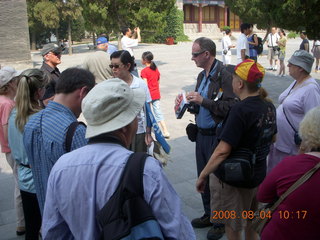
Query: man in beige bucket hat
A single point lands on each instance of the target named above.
(82, 181)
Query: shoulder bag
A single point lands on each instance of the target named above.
(238, 169)
(259, 223)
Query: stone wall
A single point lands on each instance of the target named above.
(192, 28)
(14, 32)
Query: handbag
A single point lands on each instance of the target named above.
(238, 169)
(259, 223)
(192, 131)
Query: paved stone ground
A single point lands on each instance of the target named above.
(178, 73)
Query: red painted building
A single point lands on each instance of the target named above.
(204, 13)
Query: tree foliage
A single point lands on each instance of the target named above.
(47, 13)
(95, 14)
(157, 19)
(294, 15)
(148, 15)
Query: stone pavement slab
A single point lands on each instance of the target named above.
(178, 73)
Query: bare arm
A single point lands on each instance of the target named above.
(145, 80)
(221, 152)
(255, 40)
(137, 30)
(5, 132)
(243, 54)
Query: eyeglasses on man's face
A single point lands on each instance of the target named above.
(196, 54)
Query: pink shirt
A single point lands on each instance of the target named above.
(298, 216)
(6, 105)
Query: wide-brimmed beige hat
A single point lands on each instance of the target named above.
(111, 105)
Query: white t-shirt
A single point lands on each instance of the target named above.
(242, 43)
(273, 39)
(128, 44)
(226, 43)
(139, 83)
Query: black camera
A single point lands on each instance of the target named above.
(193, 108)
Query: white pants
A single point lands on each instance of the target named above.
(226, 59)
(17, 197)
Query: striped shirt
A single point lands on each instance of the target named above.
(44, 140)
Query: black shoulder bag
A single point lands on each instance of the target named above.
(127, 215)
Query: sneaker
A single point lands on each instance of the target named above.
(274, 69)
(20, 231)
(201, 222)
(283, 75)
(215, 233)
(269, 68)
(166, 135)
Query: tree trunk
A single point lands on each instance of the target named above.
(33, 41)
(94, 38)
(119, 41)
(57, 36)
(69, 36)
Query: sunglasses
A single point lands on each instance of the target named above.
(56, 53)
(114, 66)
(196, 54)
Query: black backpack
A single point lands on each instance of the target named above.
(127, 215)
(259, 47)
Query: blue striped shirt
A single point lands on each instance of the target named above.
(44, 140)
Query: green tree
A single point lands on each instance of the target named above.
(294, 15)
(148, 15)
(35, 26)
(69, 10)
(77, 29)
(47, 13)
(174, 24)
(95, 14)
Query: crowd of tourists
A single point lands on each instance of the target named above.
(254, 162)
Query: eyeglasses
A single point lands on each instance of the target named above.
(114, 66)
(196, 54)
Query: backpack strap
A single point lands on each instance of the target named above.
(71, 130)
(133, 174)
(131, 181)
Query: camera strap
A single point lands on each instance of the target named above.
(295, 131)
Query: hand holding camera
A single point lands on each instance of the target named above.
(194, 97)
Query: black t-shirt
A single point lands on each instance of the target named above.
(251, 123)
(304, 41)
